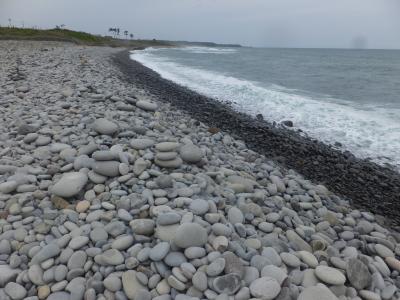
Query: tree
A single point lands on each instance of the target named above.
(131, 36)
(9, 22)
(126, 34)
(113, 30)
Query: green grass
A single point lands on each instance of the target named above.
(77, 37)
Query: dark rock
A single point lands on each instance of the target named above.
(287, 123)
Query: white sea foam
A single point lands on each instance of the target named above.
(367, 132)
(208, 50)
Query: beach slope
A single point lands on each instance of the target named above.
(109, 191)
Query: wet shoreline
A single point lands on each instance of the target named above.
(364, 183)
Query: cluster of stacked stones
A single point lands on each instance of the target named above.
(107, 194)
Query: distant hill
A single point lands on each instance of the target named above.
(77, 37)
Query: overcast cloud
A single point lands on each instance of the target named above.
(278, 23)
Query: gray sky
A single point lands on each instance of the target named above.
(277, 23)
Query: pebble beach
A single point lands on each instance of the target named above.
(106, 192)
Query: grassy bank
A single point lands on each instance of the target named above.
(77, 37)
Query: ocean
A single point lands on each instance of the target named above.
(351, 97)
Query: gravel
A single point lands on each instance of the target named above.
(106, 192)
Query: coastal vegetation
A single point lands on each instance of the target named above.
(77, 37)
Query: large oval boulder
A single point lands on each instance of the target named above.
(70, 184)
(146, 105)
(104, 126)
(190, 235)
(191, 153)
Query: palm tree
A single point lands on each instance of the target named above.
(115, 30)
(126, 34)
(131, 36)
